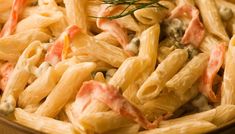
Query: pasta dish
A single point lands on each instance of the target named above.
(118, 66)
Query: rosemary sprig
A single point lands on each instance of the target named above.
(138, 4)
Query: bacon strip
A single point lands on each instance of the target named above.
(5, 72)
(216, 60)
(112, 26)
(60, 46)
(10, 26)
(110, 96)
(195, 31)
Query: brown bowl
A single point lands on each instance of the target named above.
(9, 127)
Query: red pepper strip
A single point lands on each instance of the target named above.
(10, 26)
(5, 72)
(215, 62)
(55, 52)
(110, 96)
(112, 26)
(195, 31)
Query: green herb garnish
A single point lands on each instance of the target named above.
(132, 5)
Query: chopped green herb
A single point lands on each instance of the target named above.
(132, 5)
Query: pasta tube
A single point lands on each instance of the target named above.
(75, 10)
(39, 89)
(149, 46)
(20, 76)
(44, 124)
(211, 18)
(12, 46)
(217, 116)
(127, 72)
(39, 20)
(188, 75)
(150, 16)
(107, 37)
(167, 103)
(164, 72)
(228, 89)
(107, 53)
(192, 127)
(208, 43)
(131, 129)
(103, 121)
(66, 88)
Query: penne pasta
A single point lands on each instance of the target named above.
(118, 66)
(193, 127)
(208, 43)
(100, 122)
(20, 76)
(149, 45)
(131, 129)
(39, 20)
(75, 10)
(44, 124)
(167, 103)
(12, 46)
(217, 116)
(150, 16)
(228, 90)
(62, 93)
(190, 73)
(99, 76)
(113, 56)
(107, 37)
(164, 72)
(212, 23)
(127, 72)
(39, 89)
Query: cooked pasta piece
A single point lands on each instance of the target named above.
(44, 124)
(12, 46)
(211, 18)
(193, 127)
(127, 72)
(167, 103)
(39, 89)
(228, 90)
(62, 93)
(131, 129)
(164, 72)
(5, 5)
(149, 46)
(99, 76)
(118, 66)
(150, 16)
(208, 43)
(217, 116)
(107, 53)
(75, 10)
(101, 122)
(107, 37)
(188, 75)
(20, 76)
(42, 19)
